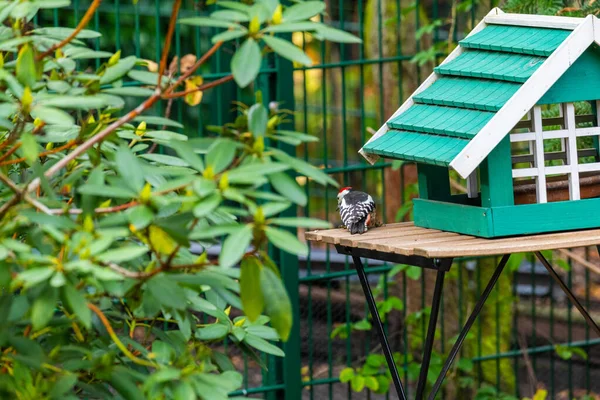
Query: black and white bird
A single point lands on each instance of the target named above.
(356, 209)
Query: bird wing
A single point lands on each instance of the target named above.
(355, 207)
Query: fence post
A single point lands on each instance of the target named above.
(288, 369)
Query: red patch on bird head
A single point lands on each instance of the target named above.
(345, 188)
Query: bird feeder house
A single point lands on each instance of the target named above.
(514, 110)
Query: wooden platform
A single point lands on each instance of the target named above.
(407, 239)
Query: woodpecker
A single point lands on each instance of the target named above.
(356, 209)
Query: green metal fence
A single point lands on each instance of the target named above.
(528, 333)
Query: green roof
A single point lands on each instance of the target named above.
(470, 89)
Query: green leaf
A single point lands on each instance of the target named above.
(277, 303)
(303, 26)
(212, 332)
(123, 254)
(119, 70)
(166, 135)
(147, 78)
(107, 191)
(208, 22)
(75, 102)
(130, 91)
(286, 241)
(43, 308)
(465, 364)
(152, 120)
(184, 391)
(165, 160)
(33, 276)
(357, 383)
(287, 50)
(245, 63)
(186, 153)
(220, 155)
(250, 292)
(346, 374)
(62, 386)
(29, 147)
(228, 35)
(231, 15)
(52, 116)
(262, 345)
(288, 187)
(336, 35)
(248, 172)
(301, 222)
(166, 291)
(371, 383)
(207, 205)
(304, 10)
(25, 68)
(78, 305)
(63, 33)
(304, 168)
(130, 169)
(204, 187)
(120, 380)
(235, 246)
(140, 217)
(258, 117)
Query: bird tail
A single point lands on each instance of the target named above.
(357, 228)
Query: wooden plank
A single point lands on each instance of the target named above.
(496, 177)
(334, 236)
(428, 82)
(375, 234)
(451, 217)
(538, 155)
(434, 182)
(406, 241)
(502, 66)
(408, 249)
(547, 217)
(517, 39)
(571, 150)
(535, 21)
(519, 244)
(525, 98)
(581, 82)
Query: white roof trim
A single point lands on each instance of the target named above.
(372, 158)
(536, 21)
(526, 97)
(597, 30)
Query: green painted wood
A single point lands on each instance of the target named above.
(495, 174)
(434, 182)
(477, 94)
(468, 220)
(492, 65)
(517, 39)
(581, 82)
(414, 146)
(547, 217)
(450, 121)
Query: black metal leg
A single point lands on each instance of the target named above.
(568, 292)
(465, 330)
(433, 317)
(379, 327)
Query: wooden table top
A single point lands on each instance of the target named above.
(407, 239)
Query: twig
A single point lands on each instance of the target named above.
(194, 67)
(42, 154)
(9, 152)
(169, 37)
(116, 339)
(580, 260)
(99, 210)
(200, 88)
(82, 24)
(6, 180)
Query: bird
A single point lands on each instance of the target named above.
(357, 210)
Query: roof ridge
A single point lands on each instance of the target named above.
(535, 21)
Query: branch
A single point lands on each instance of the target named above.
(200, 88)
(194, 67)
(165, 52)
(82, 24)
(116, 339)
(9, 152)
(6, 180)
(43, 154)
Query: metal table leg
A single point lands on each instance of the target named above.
(379, 327)
(465, 330)
(568, 292)
(433, 317)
